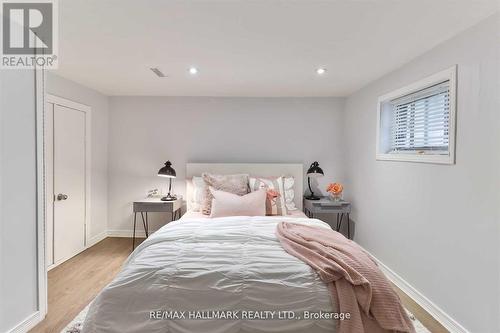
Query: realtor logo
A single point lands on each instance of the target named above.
(29, 34)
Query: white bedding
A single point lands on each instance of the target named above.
(200, 264)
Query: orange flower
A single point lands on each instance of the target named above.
(335, 188)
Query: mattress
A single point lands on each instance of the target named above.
(191, 272)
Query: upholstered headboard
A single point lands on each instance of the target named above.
(253, 169)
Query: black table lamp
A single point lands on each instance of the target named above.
(313, 171)
(169, 172)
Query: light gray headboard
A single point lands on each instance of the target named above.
(253, 169)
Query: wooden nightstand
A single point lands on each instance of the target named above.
(157, 206)
(327, 206)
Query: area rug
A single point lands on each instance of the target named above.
(76, 324)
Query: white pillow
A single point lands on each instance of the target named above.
(288, 183)
(229, 204)
(199, 187)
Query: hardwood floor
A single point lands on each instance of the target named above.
(73, 284)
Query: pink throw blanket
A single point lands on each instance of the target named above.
(355, 282)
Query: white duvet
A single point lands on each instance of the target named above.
(195, 269)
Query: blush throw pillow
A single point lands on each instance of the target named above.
(229, 204)
(275, 200)
(236, 184)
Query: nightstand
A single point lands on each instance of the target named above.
(327, 206)
(157, 206)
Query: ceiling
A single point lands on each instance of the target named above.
(251, 48)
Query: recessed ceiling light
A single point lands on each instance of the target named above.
(193, 70)
(321, 71)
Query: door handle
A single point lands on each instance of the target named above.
(61, 196)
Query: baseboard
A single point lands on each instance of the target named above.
(96, 239)
(128, 233)
(91, 242)
(27, 323)
(435, 311)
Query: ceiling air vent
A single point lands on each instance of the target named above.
(158, 72)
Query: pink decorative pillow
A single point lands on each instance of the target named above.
(229, 204)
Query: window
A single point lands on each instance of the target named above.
(417, 123)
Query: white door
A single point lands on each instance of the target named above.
(69, 182)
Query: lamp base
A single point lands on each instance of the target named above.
(312, 197)
(169, 198)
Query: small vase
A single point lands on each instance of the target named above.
(336, 196)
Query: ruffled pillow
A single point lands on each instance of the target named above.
(288, 183)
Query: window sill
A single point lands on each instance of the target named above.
(425, 158)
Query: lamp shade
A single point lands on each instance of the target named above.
(314, 170)
(167, 171)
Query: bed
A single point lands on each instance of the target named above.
(227, 274)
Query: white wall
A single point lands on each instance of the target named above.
(146, 131)
(62, 87)
(437, 225)
(18, 220)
